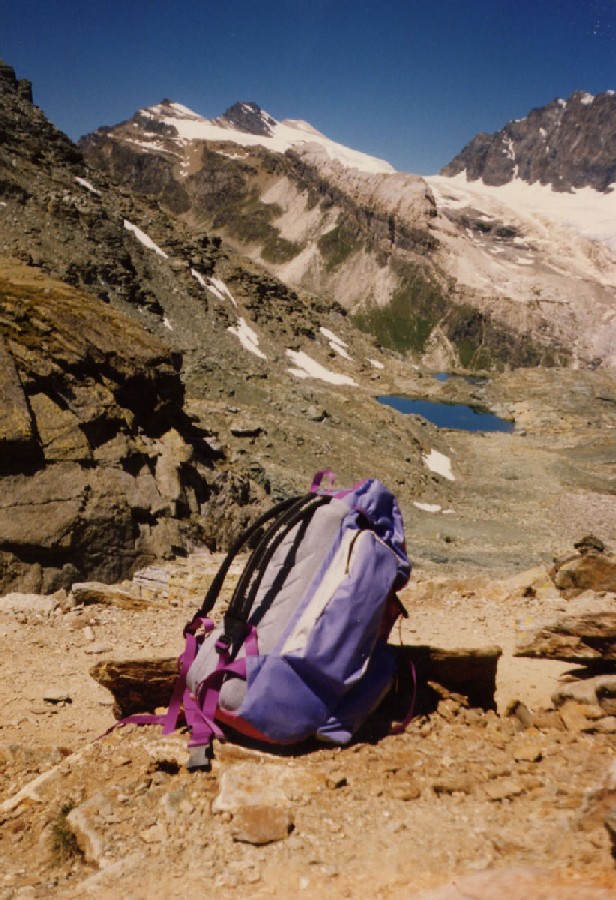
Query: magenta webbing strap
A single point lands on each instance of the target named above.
(250, 641)
(201, 714)
(193, 642)
(135, 719)
(401, 726)
(318, 478)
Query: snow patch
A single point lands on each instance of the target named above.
(153, 144)
(586, 99)
(220, 290)
(332, 337)
(248, 337)
(87, 185)
(508, 148)
(167, 324)
(589, 213)
(336, 343)
(306, 367)
(427, 507)
(199, 277)
(439, 463)
(376, 364)
(144, 239)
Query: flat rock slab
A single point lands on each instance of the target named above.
(599, 691)
(92, 592)
(589, 638)
(137, 685)
(261, 785)
(142, 685)
(28, 603)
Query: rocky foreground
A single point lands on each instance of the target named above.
(516, 799)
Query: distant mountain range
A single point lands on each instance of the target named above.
(472, 267)
(568, 144)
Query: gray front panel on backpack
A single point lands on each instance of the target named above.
(275, 604)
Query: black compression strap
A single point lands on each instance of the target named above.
(217, 583)
(240, 607)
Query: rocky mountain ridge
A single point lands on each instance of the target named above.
(366, 240)
(568, 144)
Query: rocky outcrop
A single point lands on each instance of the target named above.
(59, 216)
(247, 117)
(569, 144)
(587, 639)
(592, 568)
(100, 470)
(585, 635)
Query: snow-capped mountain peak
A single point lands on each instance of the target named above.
(247, 125)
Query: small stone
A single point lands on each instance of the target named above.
(249, 783)
(82, 822)
(336, 780)
(502, 790)
(261, 824)
(38, 710)
(607, 725)
(98, 648)
(527, 749)
(155, 834)
(453, 785)
(573, 716)
(589, 542)
(316, 414)
(521, 713)
(176, 802)
(406, 790)
(56, 695)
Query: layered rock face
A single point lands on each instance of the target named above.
(568, 144)
(99, 468)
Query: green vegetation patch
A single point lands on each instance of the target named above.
(250, 221)
(484, 344)
(338, 245)
(407, 321)
(64, 844)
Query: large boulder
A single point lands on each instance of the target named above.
(100, 469)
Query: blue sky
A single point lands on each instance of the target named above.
(411, 81)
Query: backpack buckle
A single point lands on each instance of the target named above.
(233, 636)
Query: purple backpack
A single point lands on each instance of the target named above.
(302, 650)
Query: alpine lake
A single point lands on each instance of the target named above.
(443, 414)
